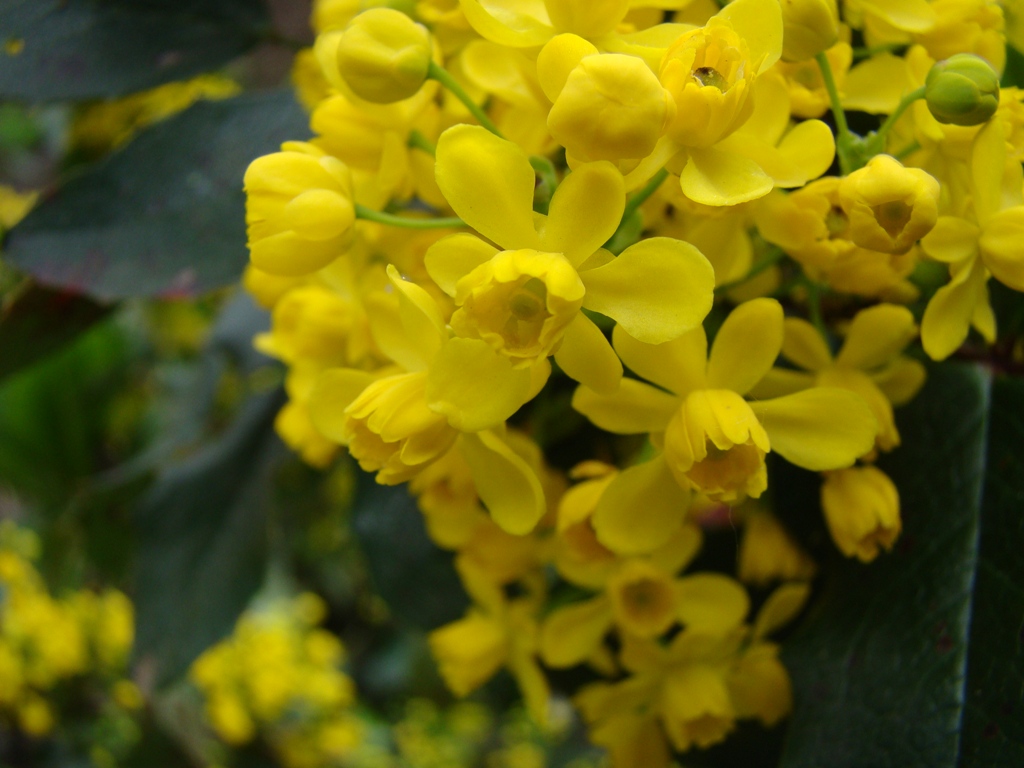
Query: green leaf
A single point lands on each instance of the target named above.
(84, 49)
(416, 579)
(203, 540)
(40, 321)
(165, 215)
(992, 731)
(916, 659)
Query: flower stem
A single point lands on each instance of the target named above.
(439, 73)
(877, 141)
(642, 194)
(814, 307)
(362, 212)
(418, 141)
(845, 140)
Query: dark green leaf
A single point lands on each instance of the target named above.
(203, 541)
(86, 49)
(416, 579)
(1013, 74)
(992, 734)
(878, 667)
(40, 321)
(165, 215)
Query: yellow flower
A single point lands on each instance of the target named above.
(862, 509)
(768, 553)
(299, 209)
(975, 247)
(525, 300)
(890, 207)
(819, 428)
(869, 364)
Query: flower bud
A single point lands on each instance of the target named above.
(808, 28)
(611, 108)
(962, 90)
(384, 56)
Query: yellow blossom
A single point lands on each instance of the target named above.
(862, 509)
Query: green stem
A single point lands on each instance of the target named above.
(773, 257)
(910, 149)
(362, 212)
(640, 197)
(418, 141)
(868, 52)
(845, 140)
(814, 307)
(439, 73)
(878, 139)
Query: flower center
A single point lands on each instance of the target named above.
(709, 76)
(892, 216)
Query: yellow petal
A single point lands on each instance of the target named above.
(288, 255)
(587, 357)
(947, 318)
(876, 336)
(572, 633)
(641, 509)
(1002, 247)
(877, 84)
(820, 428)
(711, 602)
(804, 153)
(716, 177)
(489, 183)
(952, 239)
(633, 408)
(421, 318)
(585, 211)
(506, 484)
(514, 23)
(804, 345)
(453, 257)
(759, 23)
(988, 165)
(746, 346)
(676, 365)
(902, 380)
(657, 289)
(781, 381)
(474, 386)
(908, 15)
(334, 391)
(780, 608)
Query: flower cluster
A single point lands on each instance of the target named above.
(620, 210)
(278, 678)
(49, 644)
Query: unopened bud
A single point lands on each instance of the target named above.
(384, 56)
(962, 90)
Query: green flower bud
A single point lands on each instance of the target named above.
(962, 90)
(384, 56)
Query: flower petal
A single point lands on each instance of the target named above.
(1002, 247)
(902, 380)
(641, 509)
(759, 24)
(504, 481)
(585, 211)
(716, 177)
(947, 318)
(334, 391)
(453, 257)
(877, 84)
(820, 428)
(908, 15)
(676, 365)
(474, 386)
(876, 336)
(711, 602)
(657, 289)
(781, 607)
(952, 239)
(632, 409)
(514, 23)
(804, 346)
(587, 357)
(489, 183)
(572, 633)
(746, 346)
